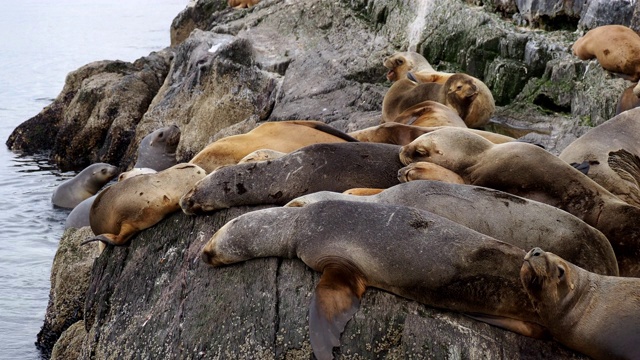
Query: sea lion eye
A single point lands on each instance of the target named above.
(422, 152)
(400, 62)
(560, 272)
(104, 171)
(160, 135)
(459, 87)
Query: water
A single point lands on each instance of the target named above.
(416, 27)
(41, 42)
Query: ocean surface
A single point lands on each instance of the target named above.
(42, 41)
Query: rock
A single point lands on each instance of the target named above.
(572, 14)
(93, 117)
(157, 299)
(69, 346)
(69, 282)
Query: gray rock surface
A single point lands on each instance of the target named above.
(227, 71)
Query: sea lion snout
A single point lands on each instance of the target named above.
(188, 205)
(536, 251)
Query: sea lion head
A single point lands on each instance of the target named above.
(212, 253)
(450, 147)
(400, 63)
(101, 173)
(547, 278)
(461, 91)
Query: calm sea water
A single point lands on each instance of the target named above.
(41, 42)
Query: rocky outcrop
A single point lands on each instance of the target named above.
(226, 72)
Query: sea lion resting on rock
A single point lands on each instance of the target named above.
(283, 136)
(157, 150)
(425, 170)
(406, 251)
(616, 47)
(612, 150)
(84, 185)
(529, 171)
(594, 314)
(401, 63)
(125, 208)
(401, 134)
(430, 113)
(333, 167)
(628, 99)
(512, 219)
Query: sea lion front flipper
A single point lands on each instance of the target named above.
(335, 300)
(521, 327)
(627, 166)
(583, 167)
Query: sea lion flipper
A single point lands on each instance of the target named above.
(335, 300)
(583, 167)
(105, 238)
(525, 328)
(626, 165)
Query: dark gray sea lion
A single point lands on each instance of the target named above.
(594, 314)
(612, 150)
(282, 136)
(125, 208)
(527, 170)
(512, 219)
(157, 150)
(333, 167)
(84, 185)
(406, 251)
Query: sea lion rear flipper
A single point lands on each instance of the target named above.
(521, 327)
(583, 167)
(105, 238)
(335, 300)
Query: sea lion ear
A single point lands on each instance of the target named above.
(335, 300)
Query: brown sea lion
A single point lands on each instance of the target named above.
(612, 150)
(400, 64)
(430, 113)
(330, 166)
(125, 208)
(84, 185)
(527, 170)
(616, 47)
(406, 251)
(423, 170)
(628, 100)
(239, 4)
(594, 314)
(401, 134)
(283, 136)
(509, 218)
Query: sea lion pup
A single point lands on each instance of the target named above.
(596, 315)
(422, 170)
(406, 251)
(330, 166)
(611, 149)
(616, 47)
(400, 64)
(401, 134)
(283, 136)
(628, 99)
(125, 208)
(84, 185)
(509, 218)
(527, 170)
(239, 4)
(157, 150)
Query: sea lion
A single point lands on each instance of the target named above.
(529, 171)
(628, 100)
(84, 185)
(509, 218)
(157, 150)
(616, 47)
(330, 166)
(135, 172)
(283, 136)
(239, 4)
(400, 64)
(401, 134)
(458, 93)
(430, 113)
(262, 155)
(406, 251)
(125, 208)
(593, 314)
(425, 170)
(612, 150)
